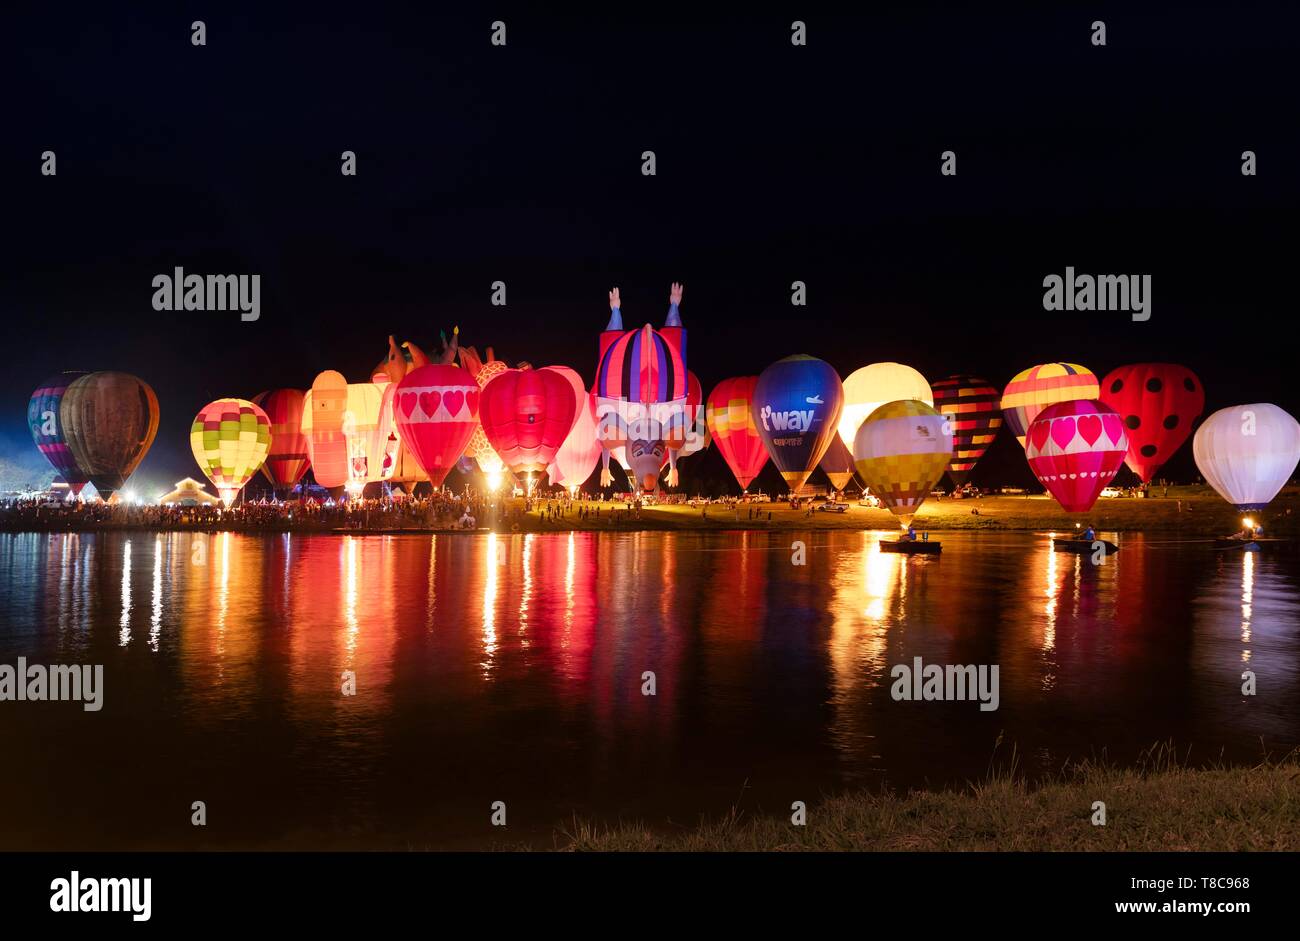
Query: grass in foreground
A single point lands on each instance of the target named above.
(1163, 807)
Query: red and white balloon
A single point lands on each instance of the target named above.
(436, 408)
(1075, 448)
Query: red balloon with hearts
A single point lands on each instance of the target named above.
(1075, 448)
(527, 414)
(436, 408)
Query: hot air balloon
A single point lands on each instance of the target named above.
(287, 460)
(731, 424)
(436, 407)
(1247, 453)
(642, 389)
(971, 406)
(526, 415)
(1159, 402)
(796, 409)
(348, 431)
(109, 421)
(1075, 448)
(870, 387)
(47, 428)
(231, 439)
(901, 450)
(1040, 386)
(581, 451)
(837, 464)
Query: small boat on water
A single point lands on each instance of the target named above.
(1254, 544)
(1083, 546)
(911, 546)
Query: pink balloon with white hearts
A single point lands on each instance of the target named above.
(1075, 448)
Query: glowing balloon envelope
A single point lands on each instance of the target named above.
(527, 414)
(1248, 452)
(837, 464)
(436, 407)
(870, 387)
(1040, 386)
(1159, 402)
(1075, 448)
(287, 460)
(971, 406)
(109, 421)
(348, 431)
(47, 428)
(230, 439)
(580, 453)
(901, 450)
(730, 420)
(796, 409)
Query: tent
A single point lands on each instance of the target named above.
(188, 492)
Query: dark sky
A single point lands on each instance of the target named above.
(523, 164)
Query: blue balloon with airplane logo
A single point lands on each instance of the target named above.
(796, 408)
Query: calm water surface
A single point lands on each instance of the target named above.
(510, 668)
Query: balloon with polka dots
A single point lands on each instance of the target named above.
(1159, 403)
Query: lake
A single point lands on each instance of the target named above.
(511, 668)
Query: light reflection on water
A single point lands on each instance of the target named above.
(511, 667)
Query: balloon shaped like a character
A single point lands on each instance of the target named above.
(796, 408)
(1075, 448)
(731, 423)
(1247, 453)
(1159, 402)
(1037, 387)
(436, 407)
(47, 428)
(870, 387)
(642, 390)
(231, 439)
(109, 421)
(526, 415)
(901, 450)
(971, 406)
(287, 460)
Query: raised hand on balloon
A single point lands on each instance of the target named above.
(675, 294)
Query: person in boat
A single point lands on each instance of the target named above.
(911, 533)
(1090, 534)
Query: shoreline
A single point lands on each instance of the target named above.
(1190, 516)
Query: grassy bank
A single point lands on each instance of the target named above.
(1161, 808)
(1190, 512)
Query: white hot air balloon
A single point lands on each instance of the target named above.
(1248, 452)
(870, 387)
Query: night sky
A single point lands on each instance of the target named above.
(523, 164)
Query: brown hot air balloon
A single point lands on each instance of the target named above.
(109, 420)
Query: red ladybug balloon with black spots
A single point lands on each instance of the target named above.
(1159, 403)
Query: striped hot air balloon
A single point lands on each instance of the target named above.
(287, 460)
(901, 451)
(731, 425)
(1040, 386)
(47, 428)
(230, 439)
(972, 408)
